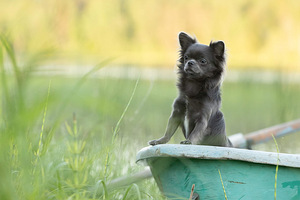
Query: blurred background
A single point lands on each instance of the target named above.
(85, 84)
(259, 35)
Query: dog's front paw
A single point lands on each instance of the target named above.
(186, 142)
(162, 140)
(153, 142)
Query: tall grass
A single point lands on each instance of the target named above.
(115, 132)
(44, 158)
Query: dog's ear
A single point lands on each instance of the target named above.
(185, 40)
(218, 48)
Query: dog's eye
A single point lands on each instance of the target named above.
(186, 57)
(203, 61)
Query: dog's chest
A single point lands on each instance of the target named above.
(186, 126)
(192, 89)
(198, 110)
(190, 118)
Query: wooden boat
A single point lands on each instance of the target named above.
(221, 172)
(244, 174)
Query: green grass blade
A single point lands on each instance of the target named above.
(10, 52)
(106, 164)
(74, 90)
(47, 142)
(75, 132)
(126, 192)
(92, 71)
(30, 65)
(49, 135)
(40, 150)
(43, 123)
(276, 173)
(3, 77)
(11, 55)
(116, 129)
(69, 129)
(105, 192)
(137, 190)
(222, 184)
(19, 100)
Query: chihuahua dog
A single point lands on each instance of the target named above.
(197, 108)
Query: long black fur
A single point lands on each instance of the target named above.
(197, 108)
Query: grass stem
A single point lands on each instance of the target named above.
(116, 129)
(222, 184)
(39, 150)
(276, 173)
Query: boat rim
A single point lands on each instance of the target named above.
(218, 153)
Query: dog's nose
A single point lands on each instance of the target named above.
(191, 63)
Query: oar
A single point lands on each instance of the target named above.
(246, 141)
(238, 140)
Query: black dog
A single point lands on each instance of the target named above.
(197, 108)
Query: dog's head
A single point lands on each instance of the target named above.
(198, 61)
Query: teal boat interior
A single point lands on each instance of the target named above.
(219, 172)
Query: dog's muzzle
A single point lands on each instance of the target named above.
(191, 67)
